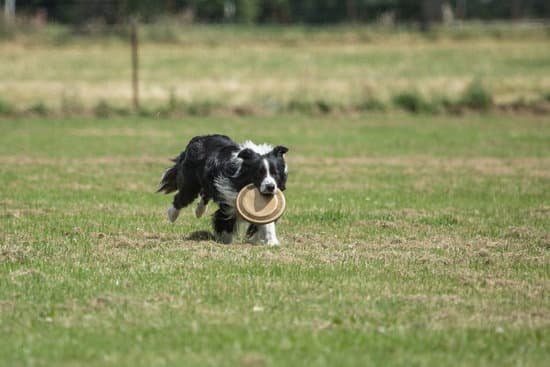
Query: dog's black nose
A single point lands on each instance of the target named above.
(269, 187)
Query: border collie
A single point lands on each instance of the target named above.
(217, 168)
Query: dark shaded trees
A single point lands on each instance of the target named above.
(423, 12)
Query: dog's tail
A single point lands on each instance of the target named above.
(168, 181)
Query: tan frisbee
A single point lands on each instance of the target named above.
(257, 208)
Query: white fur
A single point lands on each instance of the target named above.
(238, 162)
(228, 193)
(268, 179)
(258, 148)
(265, 236)
(172, 214)
(270, 235)
(200, 209)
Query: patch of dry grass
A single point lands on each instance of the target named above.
(270, 75)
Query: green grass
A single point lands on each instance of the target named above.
(408, 240)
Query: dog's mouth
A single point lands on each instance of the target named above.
(268, 189)
(267, 192)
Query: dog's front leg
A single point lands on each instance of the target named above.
(270, 235)
(224, 226)
(265, 234)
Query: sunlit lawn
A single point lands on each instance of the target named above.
(406, 241)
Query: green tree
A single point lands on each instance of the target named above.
(247, 11)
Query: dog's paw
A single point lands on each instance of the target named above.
(272, 242)
(255, 240)
(200, 209)
(225, 237)
(172, 214)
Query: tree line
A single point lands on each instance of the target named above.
(283, 11)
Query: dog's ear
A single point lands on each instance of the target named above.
(246, 154)
(279, 150)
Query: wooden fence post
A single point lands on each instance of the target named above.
(9, 11)
(135, 64)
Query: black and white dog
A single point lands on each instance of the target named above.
(217, 168)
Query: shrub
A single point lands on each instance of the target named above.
(477, 97)
(296, 105)
(412, 101)
(104, 110)
(310, 107)
(38, 108)
(71, 104)
(323, 106)
(200, 108)
(172, 100)
(6, 108)
(371, 104)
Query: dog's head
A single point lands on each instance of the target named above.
(268, 172)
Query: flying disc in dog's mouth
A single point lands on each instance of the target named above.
(258, 208)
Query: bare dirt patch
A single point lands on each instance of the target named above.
(432, 298)
(26, 273)
(24, 212)
(138, 240)
(13, 254)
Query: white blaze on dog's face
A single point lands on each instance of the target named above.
(268, 184)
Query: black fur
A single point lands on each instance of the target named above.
(217, 168)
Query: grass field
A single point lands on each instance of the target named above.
(268, 68)
(407, 241)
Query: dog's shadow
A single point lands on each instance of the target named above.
(200, 236)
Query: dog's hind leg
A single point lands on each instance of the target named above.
(183, 198)
(172, 213)
(202, 205)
